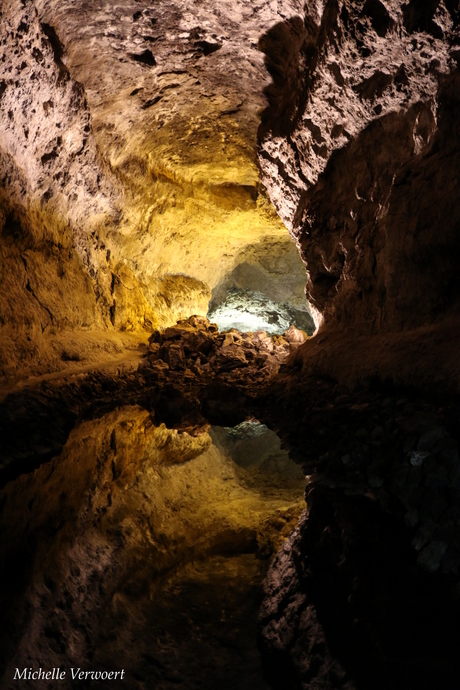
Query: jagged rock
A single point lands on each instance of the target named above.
(363, 124)
(130, 186)
(197, 343)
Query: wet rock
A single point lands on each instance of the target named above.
(431, 555)
(427, 441)
(411, 518)
(438, 478)
(318, 559)
(417, 458)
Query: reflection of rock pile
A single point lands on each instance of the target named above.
(194, 351)
(249, 310)
(257, 449)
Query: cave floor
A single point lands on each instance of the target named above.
(110, 364)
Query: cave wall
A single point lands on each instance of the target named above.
(130, 182)
(359, 152)
(52, 196)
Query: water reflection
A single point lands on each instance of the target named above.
(141, 547)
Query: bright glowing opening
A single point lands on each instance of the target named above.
(250, 311)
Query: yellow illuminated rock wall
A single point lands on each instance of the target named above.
(133, 129)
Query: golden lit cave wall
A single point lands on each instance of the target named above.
(142, 180)
(180, 135)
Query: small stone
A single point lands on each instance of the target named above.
(411, 518)
(359, 407)
(295, 335)
(175, 357)
(399, 476)
(445, 531)
(423, 536)
(409, 443)
(377, 434)
(342, 398)
(450, 563)
(437, 479)
(228, 340)
(415, 476)
(416, 458)
(430, 556)
(449, 457)
(437, 503)
(375, 482)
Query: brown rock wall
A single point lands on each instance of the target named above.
(129, 134)
(361, 163)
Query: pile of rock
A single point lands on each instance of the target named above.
(194, 351)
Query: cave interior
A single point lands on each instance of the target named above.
(229, 361)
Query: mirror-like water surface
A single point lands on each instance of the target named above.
(143, 548)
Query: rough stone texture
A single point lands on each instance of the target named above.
(128, 148)
(194, 354)
(346, 608)
(359, 152)
(366, 593)
(53, 196)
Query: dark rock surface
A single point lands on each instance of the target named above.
(366, 594)
(346, 607)
(359, 152)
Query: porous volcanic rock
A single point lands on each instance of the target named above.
(359, 153)
(128, 145)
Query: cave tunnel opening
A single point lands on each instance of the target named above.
(265, 291)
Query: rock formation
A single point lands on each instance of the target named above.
(359, 152)
(129, 160)
(358, 146)
(153, 160)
